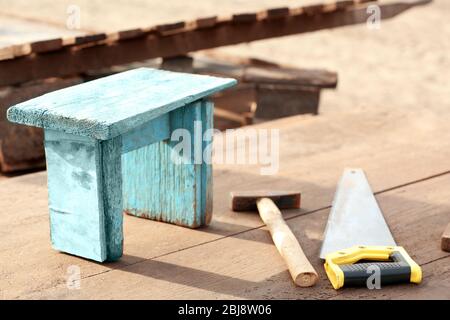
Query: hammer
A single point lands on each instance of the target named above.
(266, 203)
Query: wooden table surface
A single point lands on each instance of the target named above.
(406, 163)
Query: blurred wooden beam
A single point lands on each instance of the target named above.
(21, 147)
(181, 38)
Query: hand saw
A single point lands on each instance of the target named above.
(356, 231)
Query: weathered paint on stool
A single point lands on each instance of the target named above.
(175, 193)
(108, 150)
(85, 195)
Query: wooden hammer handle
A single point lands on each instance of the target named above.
(301, 270)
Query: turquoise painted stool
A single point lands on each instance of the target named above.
(108, 151)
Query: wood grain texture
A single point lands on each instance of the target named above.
(277, 101)
(77, 221)
(151, 132)
(110, 106)
(233, 257)
(165, 184)
(247, 266)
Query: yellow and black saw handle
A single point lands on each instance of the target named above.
(393, 263)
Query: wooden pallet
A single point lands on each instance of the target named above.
(266, 90)
(74, 55)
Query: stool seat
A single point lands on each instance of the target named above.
(110, 106)
(112, 146)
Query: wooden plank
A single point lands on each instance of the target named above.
(238, 99)
(230, 115)
(276, 13)
(130, 34)
(218, 67)
(291, 76)
(276, 91)
(22, 147)
(278, 101)
(328, 144)
(90, 109)
(445, 241)
(344, 4)
(35, 244)
(89, 38)
(74, 173)
(111, 196)
(112, 17)
(206, 22)
(46, 45)
(178, 43)
(178, 64)
(19, 36)
(314, 9)
(261, 71)
(173, 185)
(248, 266)
(435, 286)
(154, 131)
(85, 195)
(6, 51)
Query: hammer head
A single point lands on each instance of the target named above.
(246, 200)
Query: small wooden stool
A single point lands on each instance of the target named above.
(108, 151)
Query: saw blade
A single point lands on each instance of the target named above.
(355, 218)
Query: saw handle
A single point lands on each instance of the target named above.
(396, 266)
(300, 268)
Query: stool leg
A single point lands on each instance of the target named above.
(112, 197)
(157, 188)
(85, 195)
